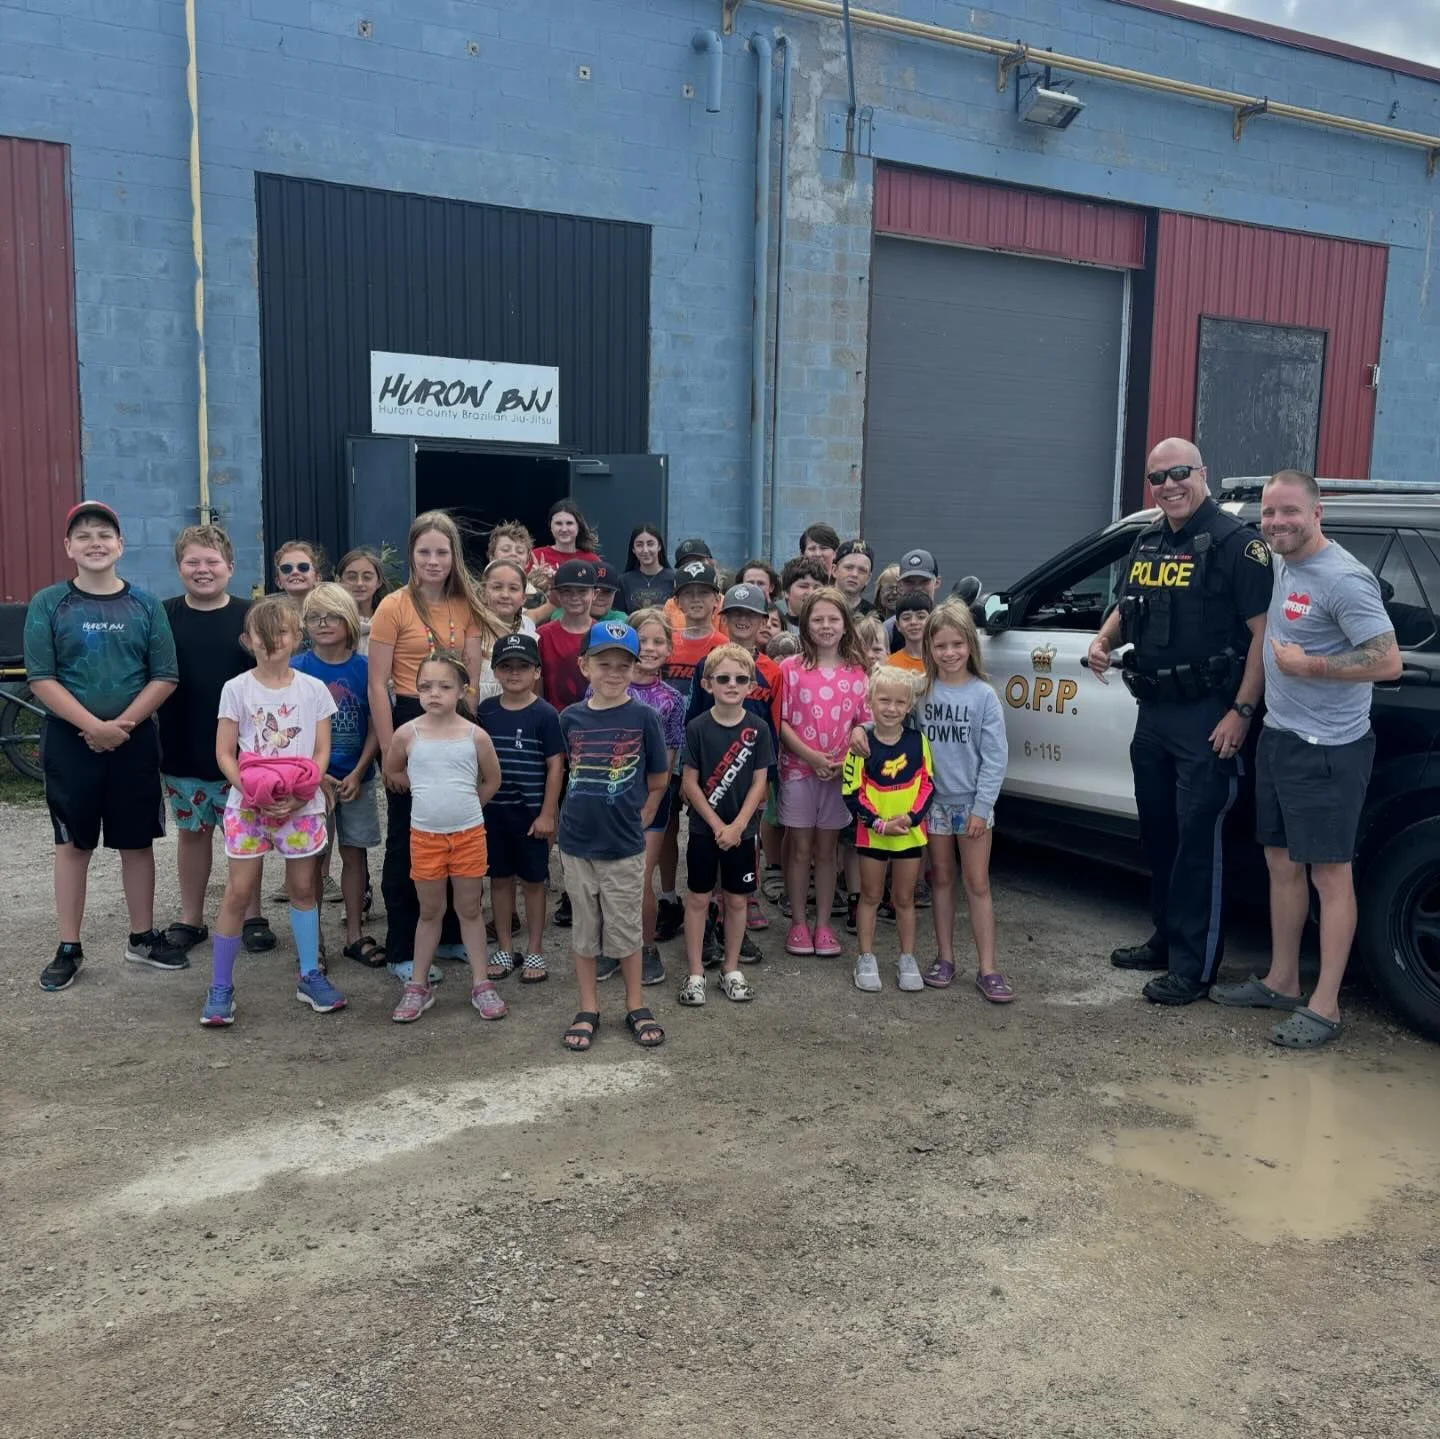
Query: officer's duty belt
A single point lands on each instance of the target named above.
(1183, 683)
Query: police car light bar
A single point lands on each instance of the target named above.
(1242, 487)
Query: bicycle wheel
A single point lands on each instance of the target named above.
(20, 731)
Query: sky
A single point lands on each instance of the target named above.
(1396, 27)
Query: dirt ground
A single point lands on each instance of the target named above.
(821, 1213)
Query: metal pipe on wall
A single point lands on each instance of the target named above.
(760, 323)
(197, 242)
(782, 42)
(707, 43)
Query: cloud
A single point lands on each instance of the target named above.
(1410, 28)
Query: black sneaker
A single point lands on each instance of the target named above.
(605, 966)
(1172, 989)
(61, 971)
(652, 967)
(750, 952)
(156, 951)
(564, 918)
(1140, 956)
(712, 951)
(669, 919)
(852, 904)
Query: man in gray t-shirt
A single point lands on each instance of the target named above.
(1329, 640)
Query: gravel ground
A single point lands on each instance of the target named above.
(824, 1212)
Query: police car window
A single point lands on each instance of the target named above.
(1079, 597)
(1405, 602)
(1368, 546)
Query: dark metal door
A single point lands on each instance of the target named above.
(618, 492)
(382, 491)
(1257, 397)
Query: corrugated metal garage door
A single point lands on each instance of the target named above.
(991, 425)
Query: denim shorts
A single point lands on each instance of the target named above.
(356, 822)
(943, 818)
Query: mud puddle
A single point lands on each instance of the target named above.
(1304, 1148)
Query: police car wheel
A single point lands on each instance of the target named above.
(1399, 930)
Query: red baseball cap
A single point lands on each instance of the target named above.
(91, 507)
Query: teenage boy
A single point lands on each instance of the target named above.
(725, 767)
(697, 591)
(912, 612)
(919, 575)
(693, 549)
(618, 770)
(520, 816)
(854, 562)
(820, 542)
(206, 622)
(561, 639)
(798, 581)
(101, 659)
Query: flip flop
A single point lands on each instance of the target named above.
(1304, 1029)
(1253, 993)
(995, 988)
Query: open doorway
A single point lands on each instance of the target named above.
(483, 488)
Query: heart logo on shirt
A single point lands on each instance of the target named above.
(1296, 606)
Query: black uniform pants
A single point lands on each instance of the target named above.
(402, 904)
(1183, 791)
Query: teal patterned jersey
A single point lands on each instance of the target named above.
(104, 649)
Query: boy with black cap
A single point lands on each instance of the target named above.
(602, 607)
(520, 817)
(561, 639)
(101, 658)
(920, 575)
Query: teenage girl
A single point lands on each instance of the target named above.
(448, 765)
(960, 716)
(275, 712)
(360, 572)
(502, 586)
(572, 539)
(647, 579)
(652, 629)
(822, 697)
(439, 609)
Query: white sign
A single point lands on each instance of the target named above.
(463, 399)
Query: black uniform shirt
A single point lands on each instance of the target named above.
(1213, 575)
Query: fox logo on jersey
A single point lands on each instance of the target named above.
(892, 768)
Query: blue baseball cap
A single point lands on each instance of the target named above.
(612, 635)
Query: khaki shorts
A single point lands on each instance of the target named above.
(605, 900)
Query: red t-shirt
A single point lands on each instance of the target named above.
(549, 555)
(685, 656)
(560, 675)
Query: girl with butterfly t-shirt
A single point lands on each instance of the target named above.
(439, 610)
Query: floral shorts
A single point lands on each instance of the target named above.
(248, 836)
(951, 818)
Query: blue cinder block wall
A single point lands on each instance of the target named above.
(484, 100)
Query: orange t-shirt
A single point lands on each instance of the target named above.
(903, 661)
(677, 619)
(397, 623)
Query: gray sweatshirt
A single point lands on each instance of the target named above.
(966, 729)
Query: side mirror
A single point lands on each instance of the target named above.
(967, 591)
(995, 613)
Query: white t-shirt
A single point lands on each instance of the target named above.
(277, 723)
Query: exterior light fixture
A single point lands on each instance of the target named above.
(1041, 102)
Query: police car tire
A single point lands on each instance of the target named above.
(1395, 878)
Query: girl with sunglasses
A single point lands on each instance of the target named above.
(299, 567)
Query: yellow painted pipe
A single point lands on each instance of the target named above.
(1100, 70)
(197, 242)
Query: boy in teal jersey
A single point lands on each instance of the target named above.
(100, 657)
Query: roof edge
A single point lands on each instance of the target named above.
(1279, 35)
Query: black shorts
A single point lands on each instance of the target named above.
(1308, 797)
(117, 791)
(915, 851)
(513, 853)
(706, 863)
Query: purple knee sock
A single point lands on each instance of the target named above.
(223, 948)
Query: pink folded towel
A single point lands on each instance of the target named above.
(265, 780)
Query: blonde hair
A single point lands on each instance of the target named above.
(952, 615)
(729, 655)
(891, 677)
(459, 584)
(509, 530)
(652, 615)
(871, 631)
(890, 575)
(210, 537)
(332, 599)
(270, 617)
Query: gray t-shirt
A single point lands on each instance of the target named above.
(1326, 604)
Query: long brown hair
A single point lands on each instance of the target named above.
(459, 584)
(852, 652)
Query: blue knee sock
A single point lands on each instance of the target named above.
(223, 949)
(305, 926)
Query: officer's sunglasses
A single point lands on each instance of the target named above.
(1175, 472)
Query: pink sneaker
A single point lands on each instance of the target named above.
(827, 944)
(415, 999)
(486, 998)
(799, 941)
(755, 917)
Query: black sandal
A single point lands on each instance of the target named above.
(257, 936)
(641, 1024)
(586, 1016)
(187, 936)
(365, 951)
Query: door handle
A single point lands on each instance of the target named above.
(1414, 675)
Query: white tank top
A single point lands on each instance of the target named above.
(444, 774)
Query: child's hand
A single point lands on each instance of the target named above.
(859, 741)
(728, 836)
(544, 826)
(108, 735)
(348, 788)
(823, 765)
(282, 809)
(900, 824)
(975, 827)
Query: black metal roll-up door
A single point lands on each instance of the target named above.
(992, 424)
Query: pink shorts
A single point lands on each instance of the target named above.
(247, 836)
(813, 803)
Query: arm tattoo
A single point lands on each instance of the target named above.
(1365, 657)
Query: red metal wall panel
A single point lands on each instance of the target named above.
(1276, 277)
(39, 377)
(926, 206)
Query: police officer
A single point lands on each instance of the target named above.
(1192, 603)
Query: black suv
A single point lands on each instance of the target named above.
(1069, 782)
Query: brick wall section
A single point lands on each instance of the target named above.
(289, 86)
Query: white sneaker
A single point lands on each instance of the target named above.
(910, 979)
(867, 973)
(692, 992)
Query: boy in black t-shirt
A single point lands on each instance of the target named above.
(724, 774)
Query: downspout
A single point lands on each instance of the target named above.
(760, 324)
(707, 43)
(197, 242)
(850, 74)
(784, 42)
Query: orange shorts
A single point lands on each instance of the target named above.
(461, 855)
